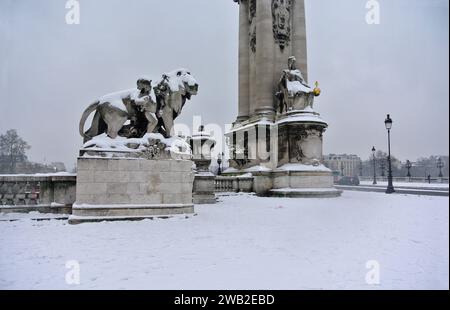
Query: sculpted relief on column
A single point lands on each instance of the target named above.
(252, 22)
(281, 14)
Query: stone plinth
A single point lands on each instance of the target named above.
(129, 189)
(303, 181)
(204, 188)
(251, 145)
(202, 145)
(284, 157)
(300, 172)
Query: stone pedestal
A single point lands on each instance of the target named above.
(111, 189)
(204, 188)
(252, 146)
(300, 182)
(204, 184)
(284, 157)
(300, 172)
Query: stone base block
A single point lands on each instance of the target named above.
(303, 181)
(44, 209)
(204, 199)
(204, 189)
(121, 188)
(100, 213)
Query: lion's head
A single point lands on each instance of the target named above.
(181, 80)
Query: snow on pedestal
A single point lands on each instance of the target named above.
(133, 179)
(293, 167)
(299, 171)
(152, 145)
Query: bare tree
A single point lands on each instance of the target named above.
(12, 150)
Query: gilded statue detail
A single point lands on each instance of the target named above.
(293, 92)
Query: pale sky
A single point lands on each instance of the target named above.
(50, 71)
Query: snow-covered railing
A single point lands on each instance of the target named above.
(234, 184)
(406, 179)
(59, 190)
(37, 190)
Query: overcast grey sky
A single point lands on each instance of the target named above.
(50, 71)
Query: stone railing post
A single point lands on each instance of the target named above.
(46, 191)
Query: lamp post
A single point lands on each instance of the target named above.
(390, 189)
(361, 168)
(219, 161)
(408, 166)
(342, 169)
(440, 165)
(374, 166)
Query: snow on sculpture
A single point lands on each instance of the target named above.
(132, 166)
(293, 92)
(172, 92)
(136, 112)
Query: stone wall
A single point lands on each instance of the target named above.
(21, 190)
(129, 181)
(43, 193)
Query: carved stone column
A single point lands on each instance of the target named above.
(282, 150)
(244, 61)
(265, 86)
(299, 45)
(270, 31)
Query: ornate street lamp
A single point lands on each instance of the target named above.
(408, 166)
(374, 166)
(219, 161)
(390, 189)
(440, 165)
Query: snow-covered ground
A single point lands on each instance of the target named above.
(243, 242)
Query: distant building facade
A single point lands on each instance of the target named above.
(27, 167)
(343, 164)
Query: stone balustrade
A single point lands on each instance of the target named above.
(226, 184)
(45, 191)
(57, 193)
(39, 191)
(19, 191)
(407, 180)
(234, 184)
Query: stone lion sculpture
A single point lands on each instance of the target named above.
(172, 93)
(133, 113)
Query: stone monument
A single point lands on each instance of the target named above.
(131, 166)
(278, 135)
(202, 145)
